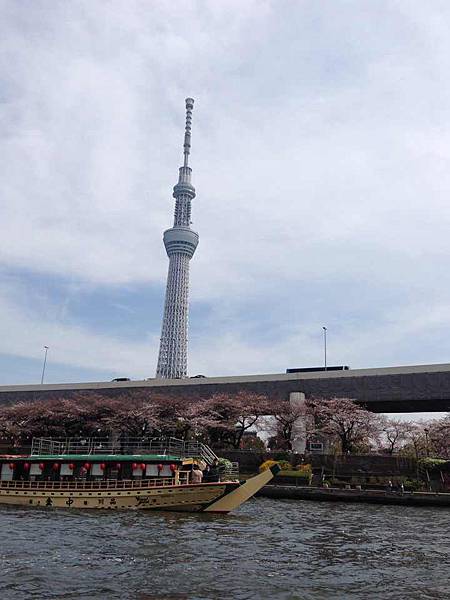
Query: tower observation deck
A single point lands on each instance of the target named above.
(180, 242)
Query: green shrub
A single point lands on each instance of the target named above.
(299, 477)
(412, 485)
(296, 474)
(225, 463)
(285, 465)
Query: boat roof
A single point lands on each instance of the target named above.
(93, 457)
(106, 449)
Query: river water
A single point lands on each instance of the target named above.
(277, 549)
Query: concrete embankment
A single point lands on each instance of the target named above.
(340, 495)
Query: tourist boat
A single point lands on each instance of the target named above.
(92, 473)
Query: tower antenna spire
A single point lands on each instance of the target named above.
(187, 131)
(180, 242)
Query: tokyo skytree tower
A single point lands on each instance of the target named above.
(180, 243)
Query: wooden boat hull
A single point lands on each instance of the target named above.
(192, 498)
(219, 497)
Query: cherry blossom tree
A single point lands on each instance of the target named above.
(354, 426)
(136, 421)
(418, 439)
(251, 407)
(224, 418)
(393, 434)
(57, 418)
(439, 437)
(415, 440)
(287, 415)
(78, 416)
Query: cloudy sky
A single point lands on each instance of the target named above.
(321, 160)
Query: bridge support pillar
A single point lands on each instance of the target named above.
(299, 430)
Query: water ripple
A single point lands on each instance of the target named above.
(284, 550)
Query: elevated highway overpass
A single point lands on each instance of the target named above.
(417, 388)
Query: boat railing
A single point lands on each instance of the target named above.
(167, 446)
(201, 451)
(107, 484)
(229, 472)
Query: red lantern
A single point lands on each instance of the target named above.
(173, 468)
(55, 466)
(142, 467)
(41, 466)
(87, 466)
(118, 466)
(26, 466)
(135, 466)
(160, 467)
(102, 466)
(11, 466)
(71, 466)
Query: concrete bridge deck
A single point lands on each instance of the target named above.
(417, 388)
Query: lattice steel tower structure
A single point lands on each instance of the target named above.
(180, 243)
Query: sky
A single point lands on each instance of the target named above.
(321, 161)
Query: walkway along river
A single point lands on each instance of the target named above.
(268, 549)
(355, 495)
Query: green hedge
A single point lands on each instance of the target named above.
(435, 464)
(296, 474)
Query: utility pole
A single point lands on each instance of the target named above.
(325, 347)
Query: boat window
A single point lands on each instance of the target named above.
(137, 471)
(166, 471)
(66, 469)
(152, 470)
(35, 469)
(97, 470)
(6, 473)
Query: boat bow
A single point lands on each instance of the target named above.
(245, 491)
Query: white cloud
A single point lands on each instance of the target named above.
(22, 334)
(320, 157)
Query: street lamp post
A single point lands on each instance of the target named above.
(325, 346)
(426, 430)
(43, 367)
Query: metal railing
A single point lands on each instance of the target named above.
(109, 484)
(199, 450)
(131, 446)
(229, 472)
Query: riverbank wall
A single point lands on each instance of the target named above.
(291, 492)
(364, 469)
(339, 465)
